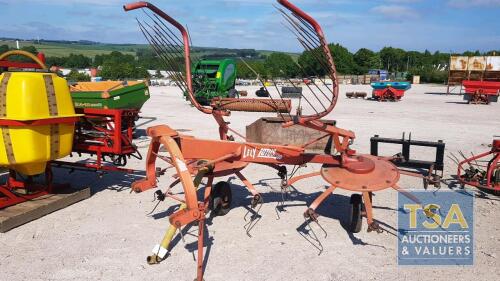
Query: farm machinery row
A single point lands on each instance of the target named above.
(43, 122)
(108, 133)
(384, 91)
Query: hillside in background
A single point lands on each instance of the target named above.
(52, 48)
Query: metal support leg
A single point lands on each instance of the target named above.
(208, 190)
(372, 225)
(201, 231)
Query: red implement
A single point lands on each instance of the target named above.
(481, 92)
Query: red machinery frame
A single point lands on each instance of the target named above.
(388, 94)
(10, 190)
(481, 92)
(38, 60)
(475, 175)
(105, 133)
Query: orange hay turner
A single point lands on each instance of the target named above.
(341, 167)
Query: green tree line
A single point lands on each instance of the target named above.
(432, 67)
(114, 66)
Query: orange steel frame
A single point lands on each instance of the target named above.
(186, 151)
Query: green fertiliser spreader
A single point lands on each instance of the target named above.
(214, 78)
(110, 94)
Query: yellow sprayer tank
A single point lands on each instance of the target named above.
(37, 120)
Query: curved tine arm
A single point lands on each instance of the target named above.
(407, 194)
(332, 71)
(185, 39)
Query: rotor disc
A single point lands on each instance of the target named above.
(384, 175)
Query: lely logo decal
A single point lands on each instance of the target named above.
(254, 153)
(269, 153)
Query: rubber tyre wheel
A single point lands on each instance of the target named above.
(233, 93)
(496, 180)
(220, 198)
(355, 218)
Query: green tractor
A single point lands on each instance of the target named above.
(214, 78)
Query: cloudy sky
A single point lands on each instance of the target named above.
(445, 25)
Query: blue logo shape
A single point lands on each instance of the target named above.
(438, 229)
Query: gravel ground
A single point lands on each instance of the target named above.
(108, 236)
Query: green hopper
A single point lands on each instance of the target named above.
(110, 94)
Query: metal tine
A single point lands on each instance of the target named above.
(311, 39)
(304, 71)
(300, 33)
(159, 22)
(179, 80)
(281, 94)
(473, 157)
(316, 52)
(307, 37)
(312, 92)
(454, 157)
(151, 39)
(462, 154)
(320, 248)
(193, 56)
(158, 53)
(465, 158)
(205, 86)
(453, 160)
(301, 95)
(172, 58)
(281, 97)
(311, 48)
(165, 42)
(178, 49)
(316, 35)
(308, 48)
(172, 35)
(299, 26)
(189, 36)
(264, 85)
(254, 219)
(306, 24)
(170, 62)
(314, 83)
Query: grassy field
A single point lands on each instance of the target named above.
(55, 49)
(64, 49)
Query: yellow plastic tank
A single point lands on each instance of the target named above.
(27, 98)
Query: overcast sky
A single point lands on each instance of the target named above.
(444, 25)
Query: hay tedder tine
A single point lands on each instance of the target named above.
(185, 42)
